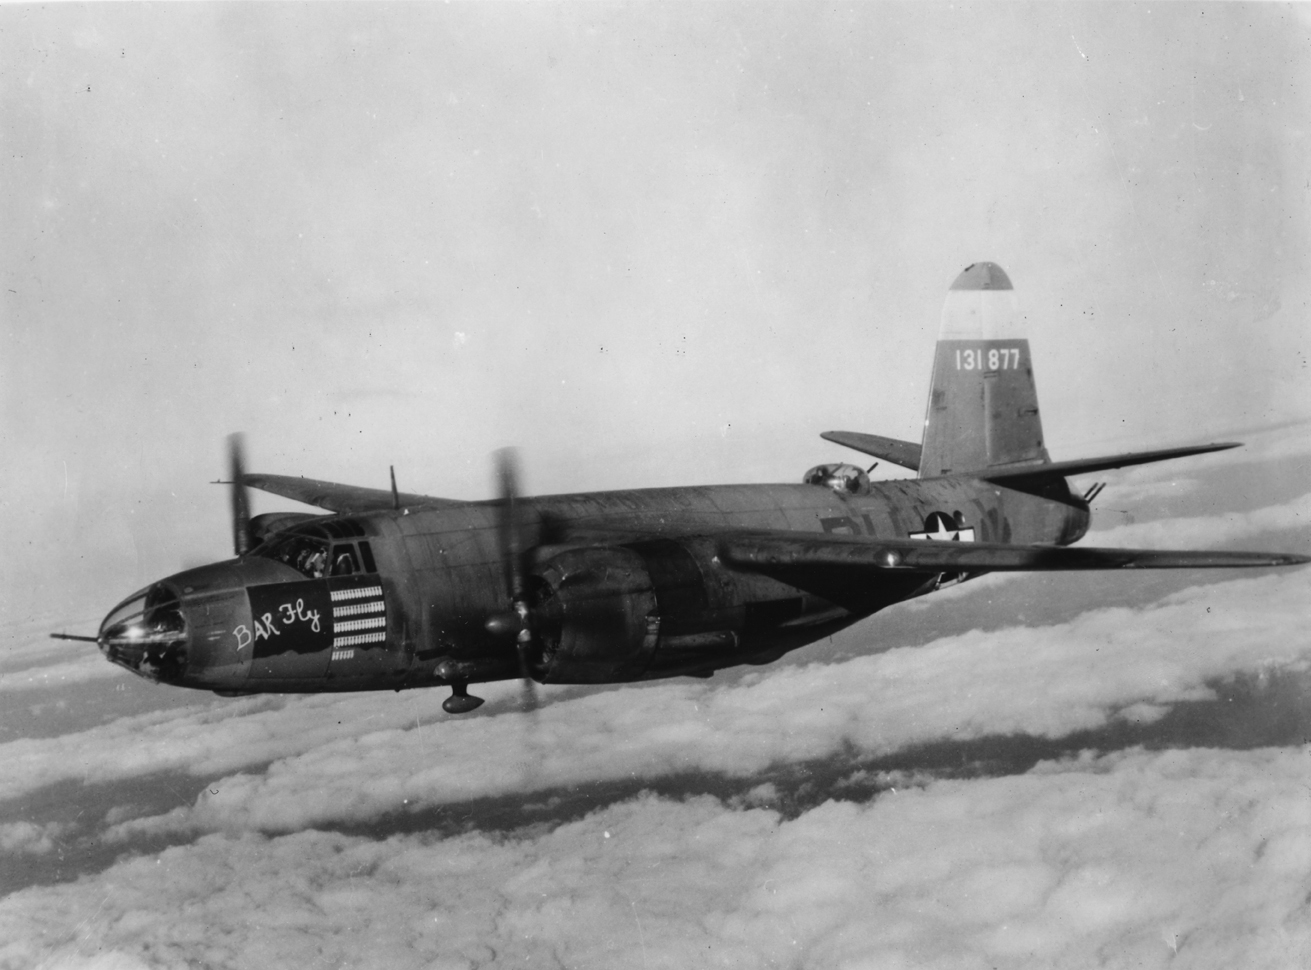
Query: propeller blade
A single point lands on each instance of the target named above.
(527, 685)
(240, 497)
(508, 528)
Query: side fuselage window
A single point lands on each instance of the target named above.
(344, 562)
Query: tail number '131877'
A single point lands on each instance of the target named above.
(995, 358)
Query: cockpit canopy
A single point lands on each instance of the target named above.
(310, 551)
(847, 479)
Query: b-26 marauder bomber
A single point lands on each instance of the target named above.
(394, 591)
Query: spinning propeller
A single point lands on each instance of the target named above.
(241, 538)
(518, 621)
(514, 555)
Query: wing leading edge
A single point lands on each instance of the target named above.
(341, 498)
(763, 551)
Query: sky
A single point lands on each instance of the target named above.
(657, 245)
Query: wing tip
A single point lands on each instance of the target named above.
(1289, 559)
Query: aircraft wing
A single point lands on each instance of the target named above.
(340, 498)
(764, 551)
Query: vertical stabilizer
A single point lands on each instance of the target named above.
(983, 406)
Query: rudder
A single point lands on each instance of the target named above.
(983, 404)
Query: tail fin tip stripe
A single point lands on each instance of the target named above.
(982, 276)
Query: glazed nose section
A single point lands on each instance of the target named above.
(147, 634)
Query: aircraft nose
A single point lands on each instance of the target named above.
(147, 634)
(184, 630)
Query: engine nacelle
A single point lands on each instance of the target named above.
(598, 619)
(656, 607)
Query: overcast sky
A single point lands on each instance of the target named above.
(656, 245)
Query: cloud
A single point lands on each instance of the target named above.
(1131, 494)
(203, 738)
(1209, 531)
(1046, 682)
(61, 674)
(26, 641)
(29, 838)
(1131, 859)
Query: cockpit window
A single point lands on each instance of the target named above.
(309, 553)
(131, 608)
(152, 615)
(147, 634)
(302, 551)
(343, 560)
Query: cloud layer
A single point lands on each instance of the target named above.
(1133, 859)
(61, 674)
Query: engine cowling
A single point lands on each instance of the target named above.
(597, 618)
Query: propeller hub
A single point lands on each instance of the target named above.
(504, 624)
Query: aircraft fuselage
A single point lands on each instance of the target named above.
(627, 585)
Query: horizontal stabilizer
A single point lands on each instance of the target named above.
(765, 551)
(340, 498)
(1085, 465)
(903, 453)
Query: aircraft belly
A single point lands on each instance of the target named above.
(712, 617)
